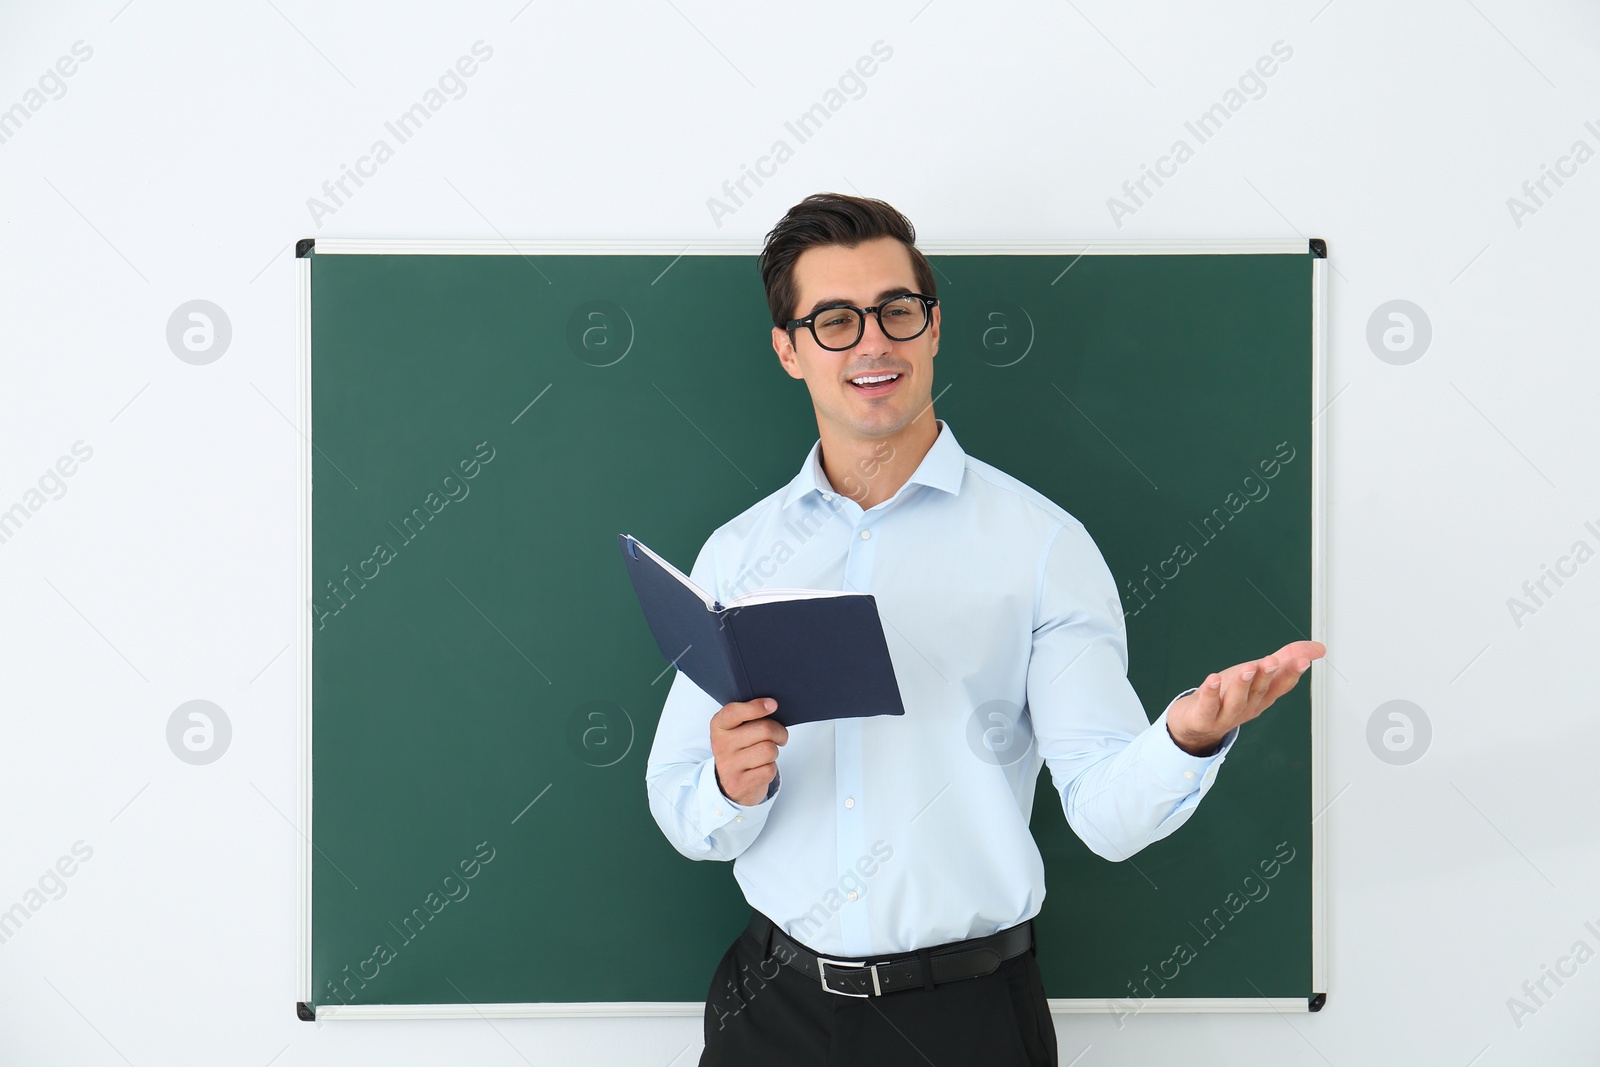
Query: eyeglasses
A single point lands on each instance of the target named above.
(841, 326)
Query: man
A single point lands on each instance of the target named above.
(888, 859)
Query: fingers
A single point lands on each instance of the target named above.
(744, 744)
(748, 786)
(757, 755)
(1295, 651)
(1236, 693)
(745, 729)
(1266, 670)
(1261, 683)
(731, 715)
(1288, 676)
(1243, 693)
(753, 731)
(755, 781)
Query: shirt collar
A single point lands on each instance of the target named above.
(941, 468)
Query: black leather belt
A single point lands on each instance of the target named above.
(924, 969)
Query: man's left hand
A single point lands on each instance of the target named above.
(1199, 721)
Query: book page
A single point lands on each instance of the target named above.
(768, 596)
(675, 572)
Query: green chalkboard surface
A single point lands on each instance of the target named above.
(483, 689)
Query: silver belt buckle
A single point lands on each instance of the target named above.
(822, 974)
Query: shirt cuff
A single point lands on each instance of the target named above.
(717, 811)
(1177, 769)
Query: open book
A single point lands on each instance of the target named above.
(820, 653)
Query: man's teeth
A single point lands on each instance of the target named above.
(873, 379)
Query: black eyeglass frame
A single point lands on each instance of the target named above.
(809, 322)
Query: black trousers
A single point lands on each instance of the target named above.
(762, 1012)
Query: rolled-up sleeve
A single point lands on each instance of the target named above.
(680, 774)
(1124, 782)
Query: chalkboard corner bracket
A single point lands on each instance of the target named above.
(303, 247)
(1317, 1001)
(306, 1013)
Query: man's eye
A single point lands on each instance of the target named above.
(833, 320)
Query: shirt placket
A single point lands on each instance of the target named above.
(851, 803)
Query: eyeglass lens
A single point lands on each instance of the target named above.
(902, 319)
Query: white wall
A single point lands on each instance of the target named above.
(177, 166)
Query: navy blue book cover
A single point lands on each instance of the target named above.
(820, 658)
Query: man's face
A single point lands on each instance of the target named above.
(864, 276)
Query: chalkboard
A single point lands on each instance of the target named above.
(479, 689)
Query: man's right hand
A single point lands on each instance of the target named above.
(745, 744)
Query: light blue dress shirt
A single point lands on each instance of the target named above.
(896, 832)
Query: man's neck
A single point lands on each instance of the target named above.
(870, 470)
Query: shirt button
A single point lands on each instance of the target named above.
(851, 895)
(738, 818)
(1188, 774)
(827, 496)
(866, 535)
(849, 802)
(719, 811)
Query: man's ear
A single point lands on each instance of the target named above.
(934, 331)
(785, 351)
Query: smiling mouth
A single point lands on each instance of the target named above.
(875, 384)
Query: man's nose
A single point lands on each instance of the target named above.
(873, 339)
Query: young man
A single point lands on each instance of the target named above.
(889, 865)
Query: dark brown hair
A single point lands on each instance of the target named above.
(831, 219)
